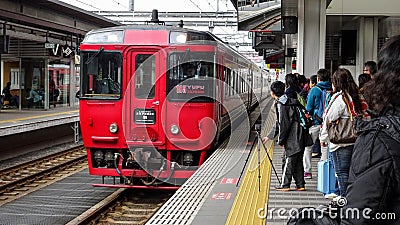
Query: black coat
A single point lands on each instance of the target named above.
(291, 92)
(375, 170)
(287, 127)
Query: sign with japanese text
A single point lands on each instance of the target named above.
(145, 116)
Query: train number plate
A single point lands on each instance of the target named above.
(145, 116)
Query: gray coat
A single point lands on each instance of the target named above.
(287, 127)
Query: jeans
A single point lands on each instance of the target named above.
(314, 132)
(316, 148)
(342, 161)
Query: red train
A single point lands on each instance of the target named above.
(155, 99)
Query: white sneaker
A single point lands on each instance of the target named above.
(336, 199)
(331, 195)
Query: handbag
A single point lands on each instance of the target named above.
(342, 130)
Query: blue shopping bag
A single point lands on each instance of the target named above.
(327, 180)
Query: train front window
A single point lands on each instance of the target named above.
(190, 76)
(101, 74)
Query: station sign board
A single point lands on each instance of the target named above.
(48, 45)
(58, 50)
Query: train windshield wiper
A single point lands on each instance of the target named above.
(89, 60)
(185, 55)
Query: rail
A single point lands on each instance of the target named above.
(25, 174)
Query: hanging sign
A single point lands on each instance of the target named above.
(49, 45)
(57, 50)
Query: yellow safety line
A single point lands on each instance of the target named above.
(38, 116)
(249, 207)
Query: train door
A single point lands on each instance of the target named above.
(145, 99)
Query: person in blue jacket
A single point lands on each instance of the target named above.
(313, 102)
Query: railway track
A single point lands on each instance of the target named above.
(125, 206)
(18, 180)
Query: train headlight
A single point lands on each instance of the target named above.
(187, 159)
(113, 128)
(178, 37)
(181, 38)
(174, 129)
(98, 157)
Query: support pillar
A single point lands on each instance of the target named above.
(46, 84)
(288, 60)
(76, 131)
(72, 82)
(311, 36)
(367, 48)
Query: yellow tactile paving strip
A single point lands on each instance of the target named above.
(250, 203)
(38, 116)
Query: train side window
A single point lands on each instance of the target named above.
(237, 83)
(227, 78)
(233, 83)
(243, 85)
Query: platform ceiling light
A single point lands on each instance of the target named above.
(113, 128)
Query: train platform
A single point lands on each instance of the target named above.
(237, 187)
(14, 121)
(57, 203)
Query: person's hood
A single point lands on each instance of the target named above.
(290, 90)
(283, 99)
(390, 124)
(325, 85)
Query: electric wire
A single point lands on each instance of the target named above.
(226, 32)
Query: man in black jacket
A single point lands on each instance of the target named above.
(291, 135)
(374, 180)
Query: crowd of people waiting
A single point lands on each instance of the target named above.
(34, 96)
(359, 126)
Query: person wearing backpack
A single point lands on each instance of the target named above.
(316, 149)
(291, 135)
(315, 102)
(374, 176)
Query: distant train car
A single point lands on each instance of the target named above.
(155, 99)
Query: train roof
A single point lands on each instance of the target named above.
(206, 36)
(151, 27)
(145, 27)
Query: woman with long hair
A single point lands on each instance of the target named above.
(345, 103)
(374, 179)
(292, 86)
